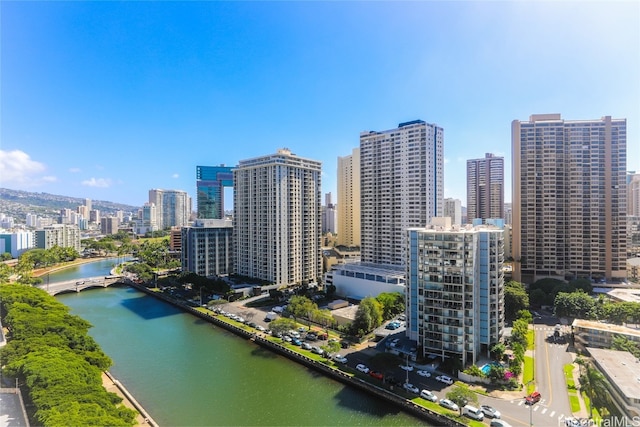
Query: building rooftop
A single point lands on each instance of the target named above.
(607, 327)
(380, 270)
(621, 367)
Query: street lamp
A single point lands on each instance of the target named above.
(530, 407)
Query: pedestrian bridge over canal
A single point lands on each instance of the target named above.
(78, 285)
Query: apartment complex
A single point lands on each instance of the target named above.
(277, 218)
(633, 194)
(569, 198)
(401, 187)
(329, 215)
(207, 248)
(453, 209)
(62, 235)
(349, 199)
(109, 225)
(485, 188)
(173, 207)
(455, 289)
(210, 184)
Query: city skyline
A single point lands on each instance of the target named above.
(170, 86)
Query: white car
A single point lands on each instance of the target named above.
(428, 395)
(446, 403)
(423, 373)
(410, 387)
(444, 379)
(406, 367)
(340, 359)
(362, 368)
(261, 328)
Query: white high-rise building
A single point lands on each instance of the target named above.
(453, 209)
(328, 215)
(173, 207)
(349, 199)
(277, 218)
(401, 187)
(455, 289)
(569, 198)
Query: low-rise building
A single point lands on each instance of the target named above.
(357, 281)
(622, 371)
(62, 235)
(16, 243)
(597, 334)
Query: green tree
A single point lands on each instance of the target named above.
(461, 395)
(594, 384)
(496, 373)
(323, 317)
(515, 299)
(575, 304)
(368, 316)
(5, 273)
(282, 325)
(331, 349)
(583, 285)
(302, 307)
(6, 256)
(622, 343)
(392, 304)
(497, 351)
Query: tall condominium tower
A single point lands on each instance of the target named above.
(569, 198)
(633, 194)
(173, 207)
(485, 188)
(401, 187)
(277, 218)
(453, 209)
(210, 184)
(349, 199)
(455, 289)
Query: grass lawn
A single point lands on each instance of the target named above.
(530, 339)
(527, 374)
(568, 375)
(575, 403)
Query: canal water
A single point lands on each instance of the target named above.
(187, 372)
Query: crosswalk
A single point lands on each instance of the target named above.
(539, 408)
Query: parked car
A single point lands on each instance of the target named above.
(377, 375)
(499, 423)
(406, 367)
(362, 368)
(317, 350)
(296, 341)
(532, 398)
(428, 395)
(306, 346)
(473, 412)
(261, 328)
(444, 379)
(410, 387)
(340, 359)
(311, 337)
(424, 373)
(287, 338)
(490, 411)
(446, 403)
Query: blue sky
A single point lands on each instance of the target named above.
(107, 100)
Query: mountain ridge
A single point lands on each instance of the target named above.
(18, 203)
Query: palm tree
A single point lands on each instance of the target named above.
(594, 384)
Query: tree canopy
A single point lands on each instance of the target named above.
(50, 350)
(515, 299)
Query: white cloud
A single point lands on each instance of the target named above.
(99, 182)
(175, 175)
(75, 170)
(19, 169)
(49, 178)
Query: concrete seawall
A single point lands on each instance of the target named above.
(144, 419)
(336, 374)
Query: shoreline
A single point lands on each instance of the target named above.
(78, 261)
(112, 385)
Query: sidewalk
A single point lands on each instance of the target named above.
(583, 413)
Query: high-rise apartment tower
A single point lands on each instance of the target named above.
(277, 218)
(401, 187)
(349, 199)
(569, 198)
(485, 188)
(173, 207)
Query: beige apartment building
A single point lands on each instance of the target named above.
(569, 198)
(277, 218)
(349, 199)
